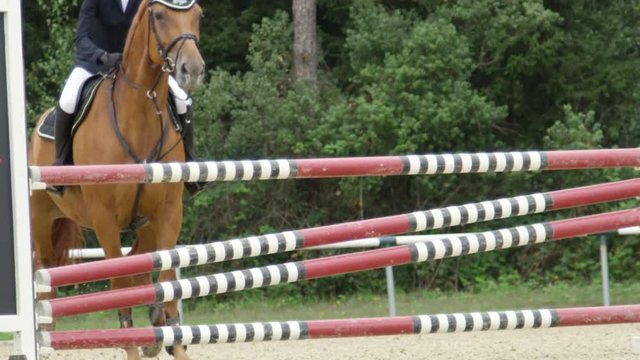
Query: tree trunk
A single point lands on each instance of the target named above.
(305, 53)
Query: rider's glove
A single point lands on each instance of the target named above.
(110, 59)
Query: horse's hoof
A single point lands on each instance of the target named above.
(47, 327)
(151, 351)
(156, 311)
(169, 349)
(132, 353)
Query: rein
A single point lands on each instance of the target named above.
(155, 154)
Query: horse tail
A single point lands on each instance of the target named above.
(65, 235)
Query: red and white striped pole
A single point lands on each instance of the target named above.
(250, 170)
(315, 329)
(47, 310)
(193, 255)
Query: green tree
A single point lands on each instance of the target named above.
(49, 49)
(397, 77)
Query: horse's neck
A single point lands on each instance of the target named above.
(140, 96)
(138, 66)
(144, 90)
(140, 70)
(145, 78)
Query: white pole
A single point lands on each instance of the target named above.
(634, 230)
(23, 323)
(604, 266)
(391, 290)
(87, 254)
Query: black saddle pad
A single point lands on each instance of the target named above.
(47, 128)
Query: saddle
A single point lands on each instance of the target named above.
(46, 129)
(87, 95)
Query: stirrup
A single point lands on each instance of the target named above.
(196, 188)
(57, 190)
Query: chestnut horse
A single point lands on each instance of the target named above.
(127, 122)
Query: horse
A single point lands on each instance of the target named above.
(128, 122)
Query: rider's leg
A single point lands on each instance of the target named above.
(64, 114)
(63, 124)
(183, 108)
(187, 134)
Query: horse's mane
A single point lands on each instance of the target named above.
(134, 25)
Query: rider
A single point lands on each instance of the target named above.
(100, 39)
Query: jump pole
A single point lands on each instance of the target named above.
(250, 170)
(193, 255)
(316, 329)
(47, 310)
(98, 253)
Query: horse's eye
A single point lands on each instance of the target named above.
(158, 16)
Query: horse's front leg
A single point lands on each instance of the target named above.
(108, 234)
(161, 234)
(44, 253)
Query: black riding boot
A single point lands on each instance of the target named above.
(62, 135)
(194, 188)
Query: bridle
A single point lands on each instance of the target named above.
(168, 66)
(168, 63)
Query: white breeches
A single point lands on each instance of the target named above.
(71, 92)
(182, 99)
(72, 88)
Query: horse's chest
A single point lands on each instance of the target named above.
(120, 203)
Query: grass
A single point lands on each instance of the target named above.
(257, 307)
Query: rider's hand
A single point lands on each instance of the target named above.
(110, 59)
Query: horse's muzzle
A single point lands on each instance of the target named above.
(190, 71)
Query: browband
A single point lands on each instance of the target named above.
(175, 4)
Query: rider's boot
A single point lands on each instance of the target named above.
(194, 188)
(62, 135)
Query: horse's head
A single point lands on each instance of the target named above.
(175, 32)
